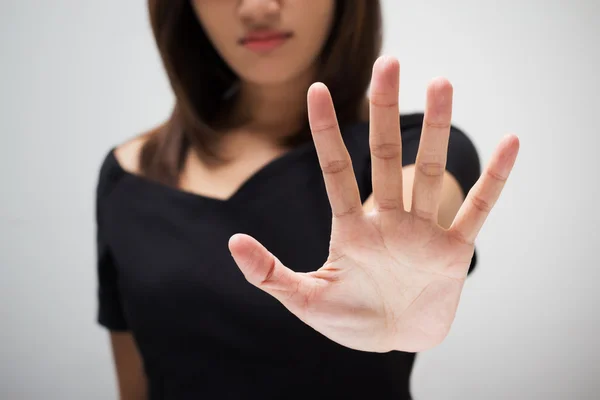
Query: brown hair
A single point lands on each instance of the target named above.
(201, 80)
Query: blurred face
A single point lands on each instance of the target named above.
(267, 41)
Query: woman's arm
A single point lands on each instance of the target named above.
(129, 368)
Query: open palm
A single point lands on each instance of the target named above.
(393, 278)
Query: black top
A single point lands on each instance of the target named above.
(166, 274)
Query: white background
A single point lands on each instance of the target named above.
(78, 77)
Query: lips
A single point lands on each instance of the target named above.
(264, 41)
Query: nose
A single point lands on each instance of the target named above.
(256, 13)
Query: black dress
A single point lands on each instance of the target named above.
(166, 275)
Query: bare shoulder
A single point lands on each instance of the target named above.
(128, 153)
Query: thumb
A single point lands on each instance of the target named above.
(265, 271)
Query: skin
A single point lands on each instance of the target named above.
(393, 277)
(278, 80)
(381, 288)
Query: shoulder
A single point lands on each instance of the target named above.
(127, 154)
(121, 160)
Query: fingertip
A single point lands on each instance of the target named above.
(385, 63)
(440, 92)
(320, 105)
(510, 140)
(233, 239)
(316, 88)
(513, 143)
(440, 85)
(248, 254)
(236, 242)
(318, 94)
(386, 75)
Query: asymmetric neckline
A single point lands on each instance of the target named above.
(247, 187)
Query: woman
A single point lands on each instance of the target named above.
(369, 241)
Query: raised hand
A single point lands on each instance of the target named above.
(393, 278)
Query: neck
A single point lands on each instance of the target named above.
(274, 110)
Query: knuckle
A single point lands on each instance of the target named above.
(422, 214)
(460, 237)
(335, 166)
(346, 212)
(270, 271)
(496, 176)
(324, 128)
(432, 169)
(388, 204)
(383, 100)
(437, 124)
(386, 151)
(481, 204)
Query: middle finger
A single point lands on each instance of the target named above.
(384, 135)
(430, 164)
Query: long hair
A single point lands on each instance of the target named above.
(201, 80)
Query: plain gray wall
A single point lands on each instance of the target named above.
(78, 77)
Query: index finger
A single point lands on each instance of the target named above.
(334, 159)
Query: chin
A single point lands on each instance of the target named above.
(268, 79)
(271, 71)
